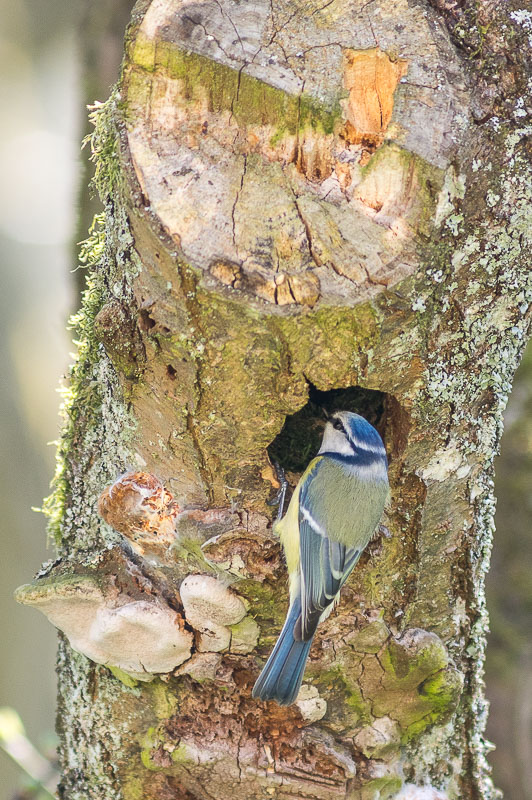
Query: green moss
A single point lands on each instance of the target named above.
(91, 249)
(436, 700)
(442, 690)
(344, 333)
(358, 710)
(103, 143)
(381, 788)
(163, 701)
(96, 420)
(182, 755)
(85, 400)
(268, 606)
(250, 101)
(142, 52)
(145, 757)
(408, 667)
(356, 703)
(153, 741)
(123, 677)
(81, 397)
(133, 789)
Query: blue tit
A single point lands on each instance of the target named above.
(332, 516)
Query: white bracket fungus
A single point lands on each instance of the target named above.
(140, 637)
(210, 607)
(201, 667)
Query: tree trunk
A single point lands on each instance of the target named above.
(307, 207)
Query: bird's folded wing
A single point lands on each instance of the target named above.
(325, 563)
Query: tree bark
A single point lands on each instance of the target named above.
(308, 206)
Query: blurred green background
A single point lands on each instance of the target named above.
(39, 98)
(56, 57)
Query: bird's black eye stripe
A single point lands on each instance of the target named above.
(338, 426)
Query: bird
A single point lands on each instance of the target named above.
(332, 515)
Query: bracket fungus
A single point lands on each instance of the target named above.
(138, 506)
(142, 638)
(122, 619)
(210, 607)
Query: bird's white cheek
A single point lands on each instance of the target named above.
(335, 442)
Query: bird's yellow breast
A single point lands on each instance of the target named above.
(288, 531)
(288, 527)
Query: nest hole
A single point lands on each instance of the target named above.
(300, 438)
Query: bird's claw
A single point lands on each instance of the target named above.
(278, 499)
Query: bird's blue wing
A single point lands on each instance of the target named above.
(325, 563)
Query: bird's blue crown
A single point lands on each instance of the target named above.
(361, 431)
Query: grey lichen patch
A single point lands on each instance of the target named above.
(311, 706)
(380, 739)
(76, 698)
(453, 188)
(496, 257)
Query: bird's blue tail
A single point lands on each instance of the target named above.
(282, 675)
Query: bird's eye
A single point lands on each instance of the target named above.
(337, 425)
